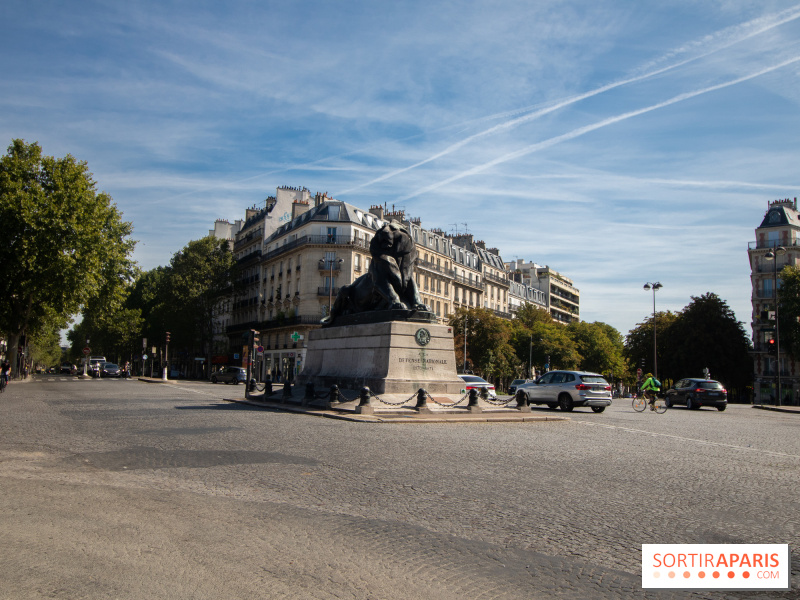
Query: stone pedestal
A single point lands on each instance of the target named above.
(392, 357)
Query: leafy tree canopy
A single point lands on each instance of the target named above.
(65, 243)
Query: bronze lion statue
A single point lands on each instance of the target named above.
(389, 283)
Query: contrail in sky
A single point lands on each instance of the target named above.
(769, 23)
(589, 128)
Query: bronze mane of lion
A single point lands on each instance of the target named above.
(389, 283)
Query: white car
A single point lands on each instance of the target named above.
(478, 383)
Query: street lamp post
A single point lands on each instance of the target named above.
(654, 286)
(773, 256)
(331, 262)
(530, 359)
(465, 343)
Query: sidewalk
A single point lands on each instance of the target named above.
(376, 413)
(785, 409)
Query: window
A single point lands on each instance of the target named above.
(331, 235)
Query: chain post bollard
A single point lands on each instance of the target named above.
(473, 401)
(422, 401)
(364, 407)
(332, 397)
(267, 389)
(309, 395)
(522, 401)
(287, 390)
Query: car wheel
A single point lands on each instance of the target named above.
(721, 407)
(213, 379)
(236, 382)
(598, 409)
(690, 404)
(565, 402)
(668, 402)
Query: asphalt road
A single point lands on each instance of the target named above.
(123, 489)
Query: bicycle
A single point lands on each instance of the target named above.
(641, 402)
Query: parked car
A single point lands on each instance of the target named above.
(478, 383)
(108, 369)
(512, 389)
(68, 369)
(697, 392)
(568, 389)
(230, 375)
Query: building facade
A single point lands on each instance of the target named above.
(776, 246)
(298, 251)
(562, 298)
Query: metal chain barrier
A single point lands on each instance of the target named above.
(447, 405)
(379, 399)
(346, 399)
(498, 402)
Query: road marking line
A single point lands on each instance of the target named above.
(687, 439)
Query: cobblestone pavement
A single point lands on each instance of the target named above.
(128, 490)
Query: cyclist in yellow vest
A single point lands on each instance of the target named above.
(650, 388)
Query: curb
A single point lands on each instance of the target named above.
(483, 417)
(792, 409)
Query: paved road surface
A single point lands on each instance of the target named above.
(122, 489)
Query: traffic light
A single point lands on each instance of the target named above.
(168, 337)
(772, 348)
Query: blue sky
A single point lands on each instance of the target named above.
(618, 142)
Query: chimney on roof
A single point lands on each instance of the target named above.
(376, 210)
(494, 251)
(481, 244)
(299, 207)
(462, 240)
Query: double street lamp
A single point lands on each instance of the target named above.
(333, 263)
(773, 256)
(654, 286)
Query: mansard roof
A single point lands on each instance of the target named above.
(780, 214)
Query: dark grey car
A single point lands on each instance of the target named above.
(229, 375)
(108, 369)
(697, 392)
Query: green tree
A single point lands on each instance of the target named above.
(639, 344)
(789, 310)
(489, 351)
(63, 241)
(44, 347)
(706, 334)
(600, 347)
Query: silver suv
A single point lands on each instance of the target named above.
(568, 389)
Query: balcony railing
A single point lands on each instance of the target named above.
(473, 283)
(289, 321)
(771, 244)
(433, 267)
(496, 279)
(326, 291)
(328, 240)
(253, 255)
